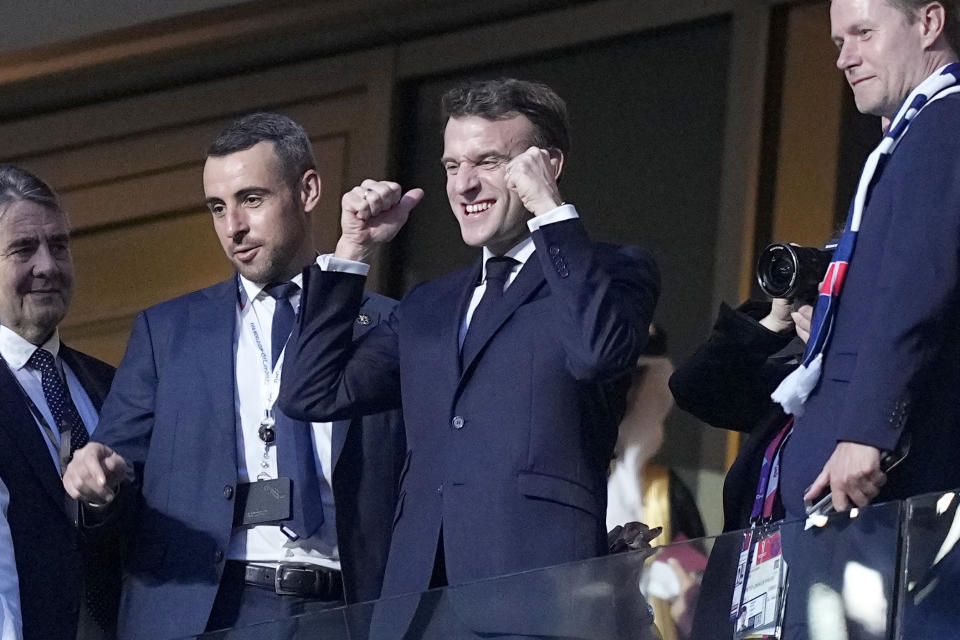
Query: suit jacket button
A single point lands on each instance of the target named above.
(457, 422)
(228, 492)
(217, 555)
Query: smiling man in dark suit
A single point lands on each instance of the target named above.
(50, 397)
(889, 347)
(510, 372)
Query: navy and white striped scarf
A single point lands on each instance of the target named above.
(797, 387)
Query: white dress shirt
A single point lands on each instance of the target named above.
(10, 628)
(16, 351)
(521, 252)
(267, 544)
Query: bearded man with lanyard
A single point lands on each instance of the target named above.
(239, 514)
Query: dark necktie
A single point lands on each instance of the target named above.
(498, 268)
(283, 316)
(295, 456)
(58, 399)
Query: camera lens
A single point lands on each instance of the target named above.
(777, 270)
(781, 272)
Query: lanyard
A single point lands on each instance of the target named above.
(769, 482)
(271, 387)
(61, 445)
(763, 503)
(271, 378)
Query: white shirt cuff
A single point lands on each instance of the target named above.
(561, 213)
(329, 262)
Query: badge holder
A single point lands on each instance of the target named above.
(267, 500)
(761, 585)
(759, 592)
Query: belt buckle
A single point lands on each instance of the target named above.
(278, 582)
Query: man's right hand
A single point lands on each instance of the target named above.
(372, 214)
(803, 319)
(783, 317)
(95, 473)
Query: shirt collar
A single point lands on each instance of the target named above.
(520, 252)
(16, 349)
(250, 290)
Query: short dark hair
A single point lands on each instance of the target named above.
(505, 98)
(951, 29)
(290, 142)
(18, 184)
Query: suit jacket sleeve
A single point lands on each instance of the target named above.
(913, 310)
(326, 376)
(605, 296)
(126, 421)
(728, 380)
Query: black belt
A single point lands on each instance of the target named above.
(303, 580)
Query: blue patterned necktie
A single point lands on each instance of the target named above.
(55, 391)
(295, 452)
(58, 399)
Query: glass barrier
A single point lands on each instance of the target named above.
(885, 572)
(840, 581)
(930, 568)
(597, 598)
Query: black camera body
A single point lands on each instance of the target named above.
(792, 272)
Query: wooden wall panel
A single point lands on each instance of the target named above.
(314, 81)
(123, 270)
(809, 130)
(332, 157)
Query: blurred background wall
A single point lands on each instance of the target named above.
(702, 129)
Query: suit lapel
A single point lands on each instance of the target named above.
(95, 386)
(524, 285)
(22, 427)
(210, 316)
(462, 292)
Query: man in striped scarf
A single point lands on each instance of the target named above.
(882, 367)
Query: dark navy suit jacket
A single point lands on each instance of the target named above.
(509, 452)
(51, 557)
(892, 368)
(171, 413)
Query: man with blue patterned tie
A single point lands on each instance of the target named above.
(50, 396)
(240, 514)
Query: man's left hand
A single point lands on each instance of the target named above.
(852, 474)
(533, 175)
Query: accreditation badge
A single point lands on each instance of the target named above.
(761, 586)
